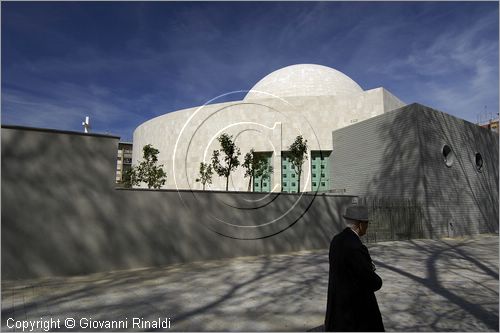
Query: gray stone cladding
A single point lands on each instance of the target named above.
(399, 155)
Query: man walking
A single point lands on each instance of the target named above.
(351, 304)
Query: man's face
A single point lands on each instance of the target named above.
(362, 228)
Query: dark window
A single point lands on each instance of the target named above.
(293, 184)
(322, 166)
(322, 175)
(322, 183)
(314, 175)
(314, 166)
(265, 184)
(293, 175)
(284, 184)
(314, 183)
(284, 175)
(479, 162)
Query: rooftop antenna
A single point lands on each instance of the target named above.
(86, 124)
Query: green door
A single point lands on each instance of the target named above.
(320, 171)
(289, 180)
(266, 182)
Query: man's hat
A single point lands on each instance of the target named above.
(357, 213)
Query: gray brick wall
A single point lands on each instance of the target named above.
(399, 155)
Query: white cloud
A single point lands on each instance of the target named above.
(455, 71)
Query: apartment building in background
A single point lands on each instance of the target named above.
(123, 160)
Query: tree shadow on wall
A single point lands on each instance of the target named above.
(50, 183)
(59, 201)
(412, 166)
(484, 185)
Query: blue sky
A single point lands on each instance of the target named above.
(123, 63)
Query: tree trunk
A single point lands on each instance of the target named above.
(227, 175)
(261, 181)
(298, 182)
(249, 183)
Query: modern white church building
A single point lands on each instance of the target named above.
(306, 99)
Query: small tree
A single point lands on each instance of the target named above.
(129, 178)
(148, 171)
(298, 154)
(205, 174)
(230, 161)
(263, 170)
(250, 164)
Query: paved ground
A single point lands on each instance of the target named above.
(447, 285)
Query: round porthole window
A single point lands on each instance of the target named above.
(448, 155)
(479, 162)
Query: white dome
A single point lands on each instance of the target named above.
(304, 80)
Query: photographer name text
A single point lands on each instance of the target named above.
(86, 323)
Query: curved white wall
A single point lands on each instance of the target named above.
(187, 137)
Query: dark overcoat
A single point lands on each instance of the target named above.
(352, 305)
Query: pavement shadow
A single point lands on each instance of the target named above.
(440, 259)
(214, 292)
(435, 285)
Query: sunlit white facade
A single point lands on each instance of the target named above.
(308, 100)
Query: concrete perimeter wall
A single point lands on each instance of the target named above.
(61, 213)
